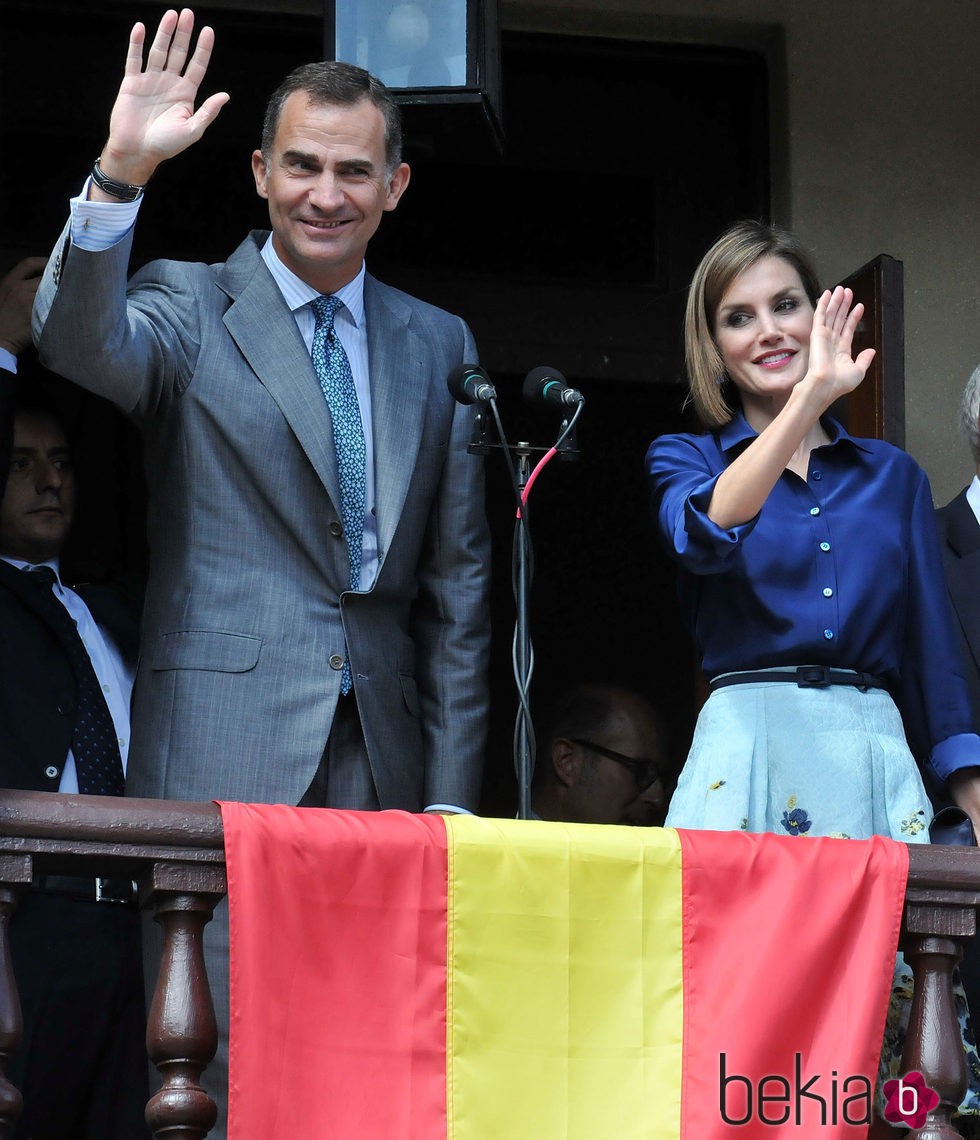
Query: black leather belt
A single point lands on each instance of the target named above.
(806, 676)
(90, 888)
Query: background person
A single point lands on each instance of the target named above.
(809, 570)
(601, 759)
(76, 959)
(315, 629)
(959, 530)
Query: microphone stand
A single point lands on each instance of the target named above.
(523, 651)
(522, 478)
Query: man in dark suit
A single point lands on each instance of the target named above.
(959, 530)
(75, 940)
(959, 533)
(316, 625)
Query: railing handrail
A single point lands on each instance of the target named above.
(175, 849)
(50, 815)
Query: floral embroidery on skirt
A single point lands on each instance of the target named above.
(833, 762)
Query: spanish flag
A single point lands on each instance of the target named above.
(405, 977)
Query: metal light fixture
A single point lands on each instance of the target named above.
(435, 53)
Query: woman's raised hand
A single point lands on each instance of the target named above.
(832, 370)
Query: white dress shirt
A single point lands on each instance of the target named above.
(114, 675)
(973, 497)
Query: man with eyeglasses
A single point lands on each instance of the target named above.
(601, 759)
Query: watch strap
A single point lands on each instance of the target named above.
(124, 191)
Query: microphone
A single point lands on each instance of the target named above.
(545, 385)
(469, 384)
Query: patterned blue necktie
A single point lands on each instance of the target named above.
(93, 742)
(333, 371)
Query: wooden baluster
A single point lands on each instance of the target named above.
(15, 876)
(182, 1035)
(932, 945)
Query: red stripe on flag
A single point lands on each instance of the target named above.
(349, 988)
(789, 954)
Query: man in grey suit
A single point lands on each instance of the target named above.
(278, 664)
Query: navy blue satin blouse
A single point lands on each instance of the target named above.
(843, 569)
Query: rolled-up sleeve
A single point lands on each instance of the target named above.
(682, 474)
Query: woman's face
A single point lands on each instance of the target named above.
(762, 329)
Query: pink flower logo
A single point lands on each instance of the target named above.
(909, 1100)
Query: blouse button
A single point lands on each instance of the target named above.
(828, 592)
(817, 475)
(814, 510)
(824, 546)
(829, 634)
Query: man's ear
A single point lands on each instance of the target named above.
(259, 173)
(566, 759)
(397, 185)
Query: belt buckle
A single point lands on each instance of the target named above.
(105, 890)
(813, 676)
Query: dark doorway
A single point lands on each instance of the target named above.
(622, 162)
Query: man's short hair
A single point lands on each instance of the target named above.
(343, 84)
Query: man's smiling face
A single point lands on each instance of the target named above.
(327, 185)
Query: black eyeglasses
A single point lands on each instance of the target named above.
(645, 772)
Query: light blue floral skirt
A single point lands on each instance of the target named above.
(770, 756)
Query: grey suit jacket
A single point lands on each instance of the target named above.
(960, 536)
(247, 611)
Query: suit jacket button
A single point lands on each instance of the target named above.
(336, 529)
(336, 661)
(51, 772)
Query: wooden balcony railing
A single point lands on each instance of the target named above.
(175, 852)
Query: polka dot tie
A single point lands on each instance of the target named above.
(333, 371)
(93, 741)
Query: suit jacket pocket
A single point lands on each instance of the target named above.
(206, 649)
(410, 693)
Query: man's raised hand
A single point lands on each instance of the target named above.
(154, 117)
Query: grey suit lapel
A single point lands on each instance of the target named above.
(398, 391)
(260, 323)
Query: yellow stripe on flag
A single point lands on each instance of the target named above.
(565, 995)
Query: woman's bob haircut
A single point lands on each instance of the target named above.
(736, 250)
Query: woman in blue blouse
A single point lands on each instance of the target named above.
(810, 573)
(804, 548)
(810, 577)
